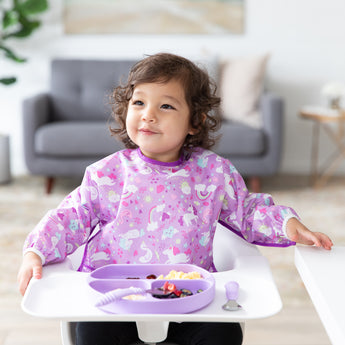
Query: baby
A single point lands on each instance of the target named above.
(160, 199)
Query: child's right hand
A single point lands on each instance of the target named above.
(31, 267)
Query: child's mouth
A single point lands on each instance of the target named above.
(146, 131)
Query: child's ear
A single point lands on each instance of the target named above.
(203, 118)
(194, 130)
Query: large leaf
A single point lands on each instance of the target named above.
(26, 29)
(30, 7)
(11, 55)
(8, 81)
(17, 22)
(9, 18)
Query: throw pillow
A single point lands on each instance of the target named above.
(241, 84)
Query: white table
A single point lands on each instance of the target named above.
(323, 273)
(64, 294)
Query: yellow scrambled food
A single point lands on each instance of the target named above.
(181, 275)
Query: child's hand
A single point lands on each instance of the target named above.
(31, 267)
(299, 233)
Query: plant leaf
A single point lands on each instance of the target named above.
(10, 18)
(11, 55)
(8, 81)
(26, 29)
(30, 7)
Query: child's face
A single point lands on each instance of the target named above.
(158, 119)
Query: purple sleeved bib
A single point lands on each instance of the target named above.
(130, 209)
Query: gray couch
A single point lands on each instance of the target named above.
(66, 129)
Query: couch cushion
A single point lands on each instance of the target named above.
(80, 89)
(239, 140)
(241, 85)
(76, 139)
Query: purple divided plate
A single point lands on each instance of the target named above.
(110, 277)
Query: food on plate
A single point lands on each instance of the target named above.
(151, 276)
(170, 291)
(135, 297)
(173, 274)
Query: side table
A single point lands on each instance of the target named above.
(324, 118)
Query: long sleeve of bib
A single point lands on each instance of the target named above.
(253, 216)
(62, 230)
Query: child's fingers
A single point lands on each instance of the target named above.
(23, 281)
(25, 275)
(22, 287)
(299, 233)
(37, 272)
(314, 238)
(321, 240)
(304, 236)
(326, 242)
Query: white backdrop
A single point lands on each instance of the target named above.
(305, 38)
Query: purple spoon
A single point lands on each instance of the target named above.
(117, 294)
(231, 289)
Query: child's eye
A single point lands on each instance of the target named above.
(167, 106)
(137, 102)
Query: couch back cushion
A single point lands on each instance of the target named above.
(81, 89)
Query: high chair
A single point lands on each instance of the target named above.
(234, 258)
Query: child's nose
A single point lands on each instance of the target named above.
(149, 115)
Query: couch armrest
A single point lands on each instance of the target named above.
(272, 108)
(36, 112)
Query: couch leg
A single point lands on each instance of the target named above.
(255, 184)
(49, 184)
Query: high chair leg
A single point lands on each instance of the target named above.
(67, 334)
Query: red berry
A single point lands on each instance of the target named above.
(169, 287)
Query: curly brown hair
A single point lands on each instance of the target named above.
(200, 94)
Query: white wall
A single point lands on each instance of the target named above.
(305, 38)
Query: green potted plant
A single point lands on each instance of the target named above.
(18, 19)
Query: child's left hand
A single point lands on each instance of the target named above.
(299, 233)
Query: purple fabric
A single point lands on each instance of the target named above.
(142, 211)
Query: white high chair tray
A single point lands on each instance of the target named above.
(64, 294)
